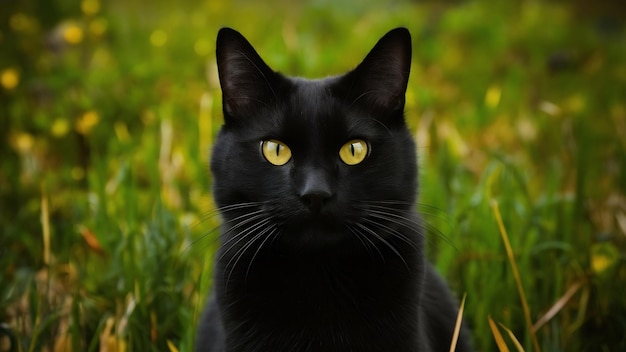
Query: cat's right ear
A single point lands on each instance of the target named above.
(380, 81)
(246, 81)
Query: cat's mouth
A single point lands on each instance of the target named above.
(300, 225)
(316, 222)
(321, 228)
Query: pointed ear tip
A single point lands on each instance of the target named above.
(226, 32)
(402, 30)
(402, 33)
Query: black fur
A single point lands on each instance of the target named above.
(317, 255)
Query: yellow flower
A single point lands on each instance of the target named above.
(158, 38)
(90, 7)
(86, 122)
(73, 34)
(98, 26)
(9, 78)
(23, 142)
(60, 127)
(492, 97)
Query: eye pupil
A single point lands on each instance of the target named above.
(275, 152)
(354, 152)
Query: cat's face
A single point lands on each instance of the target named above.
(313, 162)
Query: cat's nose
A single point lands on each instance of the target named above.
(315, 188)
(315, 200)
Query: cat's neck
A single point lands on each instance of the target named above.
(328, 297)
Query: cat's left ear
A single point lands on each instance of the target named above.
(246, 80)
(380, 81)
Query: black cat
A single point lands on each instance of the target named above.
(321, 247)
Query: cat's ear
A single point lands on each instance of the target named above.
(246, 81)
(380, 81)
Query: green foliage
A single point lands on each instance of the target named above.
(108, 111)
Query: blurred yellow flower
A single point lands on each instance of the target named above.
(86, 122)
(23, 142)
(90, 7)
(492, 97)
(98, 26)
(9, 78)
(158, 38)
(60, 127)
(599, 263)
(603, 257)
(73, 34)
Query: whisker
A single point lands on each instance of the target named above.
(241, 251)
(202, 237)
(362, 238)
(381, 239)
(385, 213)
(404, 238)
(392, 202)
(218, 211)
(237, 238)
(396, 219)
(272, 234)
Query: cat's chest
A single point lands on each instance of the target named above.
(323, 296)
(320, 325)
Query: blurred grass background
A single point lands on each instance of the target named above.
(108, 111)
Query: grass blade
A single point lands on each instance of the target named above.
(516, 342)
(502, 347)
(558, 305)
(171, 346)
(457, 327)
(516, 275)
(45, 225)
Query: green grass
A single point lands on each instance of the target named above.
(108, 111)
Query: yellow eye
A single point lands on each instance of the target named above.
(276, 152)
(353, 152)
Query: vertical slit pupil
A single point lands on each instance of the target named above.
(352, 149)
(277, 149)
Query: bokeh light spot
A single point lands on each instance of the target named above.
(9, 78)
(158, 38)
(73, 34)
(90, 7)
(98, 26)
(60, 127)
(85, 123)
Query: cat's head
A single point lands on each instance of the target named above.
(314, 161)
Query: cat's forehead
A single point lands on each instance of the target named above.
(313, 105)
(312, 94)
(313, 112)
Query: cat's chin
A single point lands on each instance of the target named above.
(316, 235)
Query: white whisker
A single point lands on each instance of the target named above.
(362, 238)
(385, 242)
(273, 234)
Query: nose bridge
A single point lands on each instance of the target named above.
(314, 175)
(315, 179)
